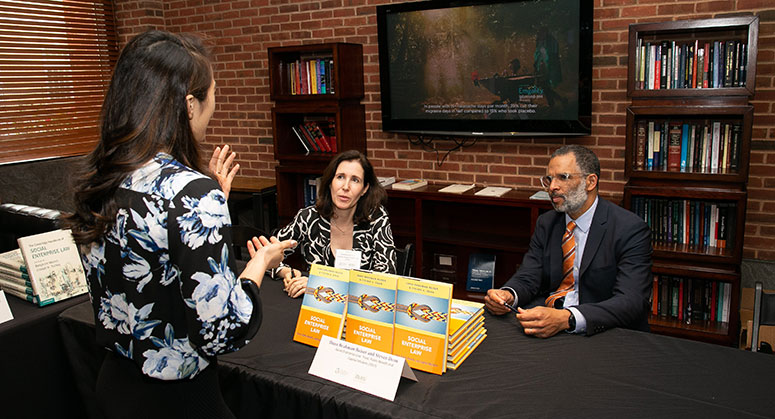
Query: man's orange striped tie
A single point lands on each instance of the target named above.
(568, 256)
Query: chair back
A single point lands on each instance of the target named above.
(240, 234)
(763, 313)
(405, 260)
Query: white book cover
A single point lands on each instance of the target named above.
(54, 265)
(386, 181)
(493, 191)
(457, 188)
(13, 260)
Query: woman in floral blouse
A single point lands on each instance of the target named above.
(348, 215)
(155, 238)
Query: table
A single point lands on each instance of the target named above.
(618, 373)
(36, 377)
(262, 195)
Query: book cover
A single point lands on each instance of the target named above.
(13, 260)
(54, 265)
(410, 184)
(492, 191)
(324, 305)
(457, 188)
(462, 314)
(481, 272)
(386, 181)
(422, 323)
(10, 284)
(371, 309)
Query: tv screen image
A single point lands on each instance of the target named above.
(486, 68)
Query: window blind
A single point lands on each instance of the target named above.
(56, 59)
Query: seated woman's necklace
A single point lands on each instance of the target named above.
(343, 231)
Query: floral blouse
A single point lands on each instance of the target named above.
(162, 279)
(373, 239)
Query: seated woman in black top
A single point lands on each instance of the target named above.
(348, 215)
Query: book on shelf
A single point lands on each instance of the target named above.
(457, 188)
(495, 191)
(311, 135)
(386, 181)
(690, 64)
(422, 323)
(481, 272)
(674, 147)
(370, 309)
(409, 184)
(541, 195)
(54, 265)
(323, 307)
(307, 148)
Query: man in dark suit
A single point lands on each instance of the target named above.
(588, 267)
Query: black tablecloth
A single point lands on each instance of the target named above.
(36, 377)
(618, 373)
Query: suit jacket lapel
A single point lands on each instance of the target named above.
(596, 233)
(555, 246)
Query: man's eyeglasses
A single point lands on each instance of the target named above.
(546, 181)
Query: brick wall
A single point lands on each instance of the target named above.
(241, 31)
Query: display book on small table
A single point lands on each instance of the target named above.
(46, 268)
(408, 317)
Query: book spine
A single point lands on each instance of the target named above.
(31, 298)
(674, 148)
(640, 148)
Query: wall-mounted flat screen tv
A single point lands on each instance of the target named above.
(486, 68)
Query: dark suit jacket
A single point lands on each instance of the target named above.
(615, 273)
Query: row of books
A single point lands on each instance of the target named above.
(690, 300)
(46, 268)
(688, 222)
(690, 65)
(675, 146)
(416, 319)
(317, 136)
(311, 76)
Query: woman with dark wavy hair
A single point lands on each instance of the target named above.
(348, 215)
(154, 231)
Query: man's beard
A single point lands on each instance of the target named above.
(573, 201)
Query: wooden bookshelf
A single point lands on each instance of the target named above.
(294, 106)
(677, 195)
(458, 225)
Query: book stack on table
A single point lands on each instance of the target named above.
(416, 319)
(46, 268)
(14, 278)
(466, 331)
